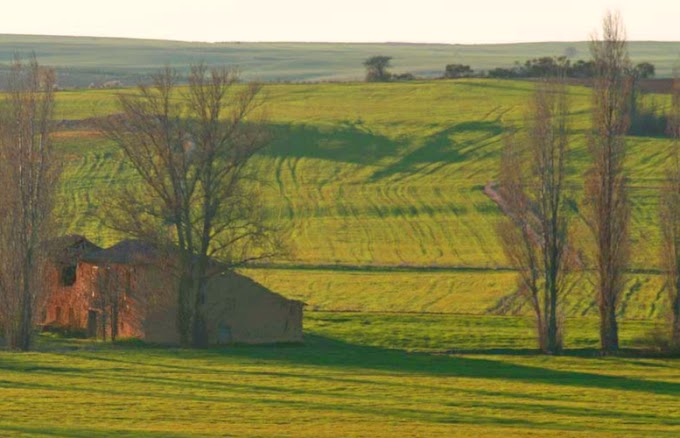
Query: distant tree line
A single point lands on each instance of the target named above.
(377, 70)
(542, 67)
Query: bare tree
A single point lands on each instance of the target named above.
(669, 215)
(191, 148)
(535, 236)
(112, 285)
(29, 172)
(605, 187)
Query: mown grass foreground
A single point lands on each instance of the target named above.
(357, 375)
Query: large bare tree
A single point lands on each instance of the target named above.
(29, 171)
(190, 147)
(669, 212)
(607, 204)
(532, 186)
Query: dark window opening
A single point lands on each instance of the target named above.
(68, 275)
(57, 314)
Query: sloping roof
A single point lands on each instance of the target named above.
(250, 284)
(69, 248)
(129, 252)
(139, 252)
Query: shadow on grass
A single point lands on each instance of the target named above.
(201, 376)
(352, 142)
(78, 432)
(440, 148)
(319, 351)
(347, 142)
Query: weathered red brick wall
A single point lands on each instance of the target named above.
(66, 305)
(69, 305)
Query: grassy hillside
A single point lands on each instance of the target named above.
(82, 60)
(387, 175)
(355, 376)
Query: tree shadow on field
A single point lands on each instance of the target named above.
(321, 351)
(327, 352)
(352, 142)
(348, 142)
(441, 149)
(83, 432)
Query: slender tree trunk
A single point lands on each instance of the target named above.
(675, 317)
(114, 320)
(609, 331)
(184, 306)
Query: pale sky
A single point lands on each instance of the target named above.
(440, 21)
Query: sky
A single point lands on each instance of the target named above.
(418, 21)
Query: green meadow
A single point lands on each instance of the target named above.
(380, 190)
(357, 375)
(393, 247)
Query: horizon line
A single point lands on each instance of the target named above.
(317, 42)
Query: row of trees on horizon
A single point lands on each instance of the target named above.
(377, 70)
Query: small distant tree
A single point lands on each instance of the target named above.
(582, 69)
(29, 171)
(669, 214)
(376, 68)
(454, 71)
(532, 186)
(644, 70)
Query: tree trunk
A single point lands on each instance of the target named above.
(104, 325)
(675, 327)
(609, 333)
(553, 334)
(200, 329)
(23, 338)
(184, 324)
(114, 321)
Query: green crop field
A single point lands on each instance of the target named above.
(393, 247)
(84, 60)
(388, 176)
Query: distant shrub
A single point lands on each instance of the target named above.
(404, 77)
(454, 71)
(503, 73)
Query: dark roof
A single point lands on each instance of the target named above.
(128, 252)
(69, 248)
(139, 252)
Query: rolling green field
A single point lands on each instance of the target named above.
(393, 248)
(388, 176)
(83, 60)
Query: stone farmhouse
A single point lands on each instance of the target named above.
(88, 282)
